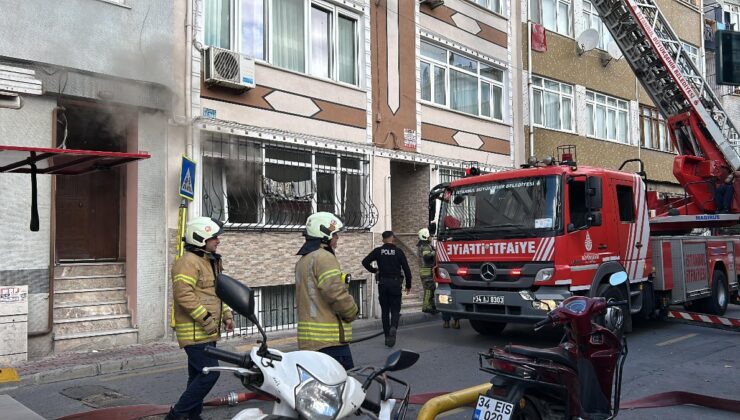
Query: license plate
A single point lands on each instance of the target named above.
(489, 408)
(491, 300)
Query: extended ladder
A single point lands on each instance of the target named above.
(665, 70)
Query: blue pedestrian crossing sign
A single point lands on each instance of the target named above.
(187, 179)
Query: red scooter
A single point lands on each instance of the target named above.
(579, 379)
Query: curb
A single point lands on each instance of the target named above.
(118, 365)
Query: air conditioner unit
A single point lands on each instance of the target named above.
(229, 69)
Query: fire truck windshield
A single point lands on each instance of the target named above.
(503, 209)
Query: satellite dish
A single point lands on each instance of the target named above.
(614, 51)
(587, 41)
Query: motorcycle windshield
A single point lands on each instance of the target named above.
(510, 208)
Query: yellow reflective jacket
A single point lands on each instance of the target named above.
(194, 292)
(325, 307)
(426, 252)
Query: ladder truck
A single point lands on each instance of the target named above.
(511, 245)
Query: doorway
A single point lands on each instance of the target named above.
(90, 208)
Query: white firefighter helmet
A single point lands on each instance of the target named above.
(322, 225)
(423, 234)
(200, 229)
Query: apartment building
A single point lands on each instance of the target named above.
(357, 107)
(91, 75)
(591, 98)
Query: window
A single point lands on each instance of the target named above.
(461, 83)
(606, 117)
(449, 174)
(653, 130)
(554, 15)
(314, 37)
(577, 204)
(626, 203)
(732, 17)
(693, 53)
(553, 104)
(592, 20)
(255, 185)
(492, 5)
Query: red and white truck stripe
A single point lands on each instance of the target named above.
(709, 320)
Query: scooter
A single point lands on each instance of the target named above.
(308, 384)
(579, 379)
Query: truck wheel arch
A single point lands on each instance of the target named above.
(602, 276)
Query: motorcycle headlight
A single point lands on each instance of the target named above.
(315, 400)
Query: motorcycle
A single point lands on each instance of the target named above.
(308, 384)
(581, 378)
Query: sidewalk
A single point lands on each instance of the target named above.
(76, 365)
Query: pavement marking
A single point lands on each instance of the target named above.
(143, 372)
(676, 340)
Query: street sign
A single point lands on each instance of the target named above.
(187, 179)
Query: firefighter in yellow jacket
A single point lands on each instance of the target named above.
(199, 313)
(325, 307)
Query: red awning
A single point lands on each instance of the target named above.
(18, 159)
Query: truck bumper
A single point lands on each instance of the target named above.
(515, 308)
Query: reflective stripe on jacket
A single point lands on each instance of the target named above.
(426, 252)
(325, 307)
(194, 293)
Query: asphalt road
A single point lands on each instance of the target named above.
(662, 357)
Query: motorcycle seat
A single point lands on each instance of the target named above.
(556, 355)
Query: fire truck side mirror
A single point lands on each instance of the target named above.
(432, 229)
(594, 199)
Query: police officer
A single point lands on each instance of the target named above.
(390, 261)
(426, 254)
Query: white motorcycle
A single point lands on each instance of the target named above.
(308, 384)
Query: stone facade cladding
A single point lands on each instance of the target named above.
(409, 197)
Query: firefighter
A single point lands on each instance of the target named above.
(426, 255)
(390, 261)
(199, 313)
(325, 307)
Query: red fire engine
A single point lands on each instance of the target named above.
(512, 244)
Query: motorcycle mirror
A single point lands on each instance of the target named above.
(237, 295)
(618, 278)
(400, 360)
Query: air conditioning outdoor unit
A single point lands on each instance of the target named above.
(229, 69)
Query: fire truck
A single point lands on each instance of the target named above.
(511, 245)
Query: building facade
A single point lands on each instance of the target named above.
(97, 267)
(721, 15)
(591, 98)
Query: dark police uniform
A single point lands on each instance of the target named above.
(390, 260)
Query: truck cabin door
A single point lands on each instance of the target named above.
(588, 240)
(628, 233)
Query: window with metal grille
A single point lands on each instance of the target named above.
(253, 185)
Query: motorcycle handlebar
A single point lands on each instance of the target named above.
(617, 303)
(543, 323)
(226, 356)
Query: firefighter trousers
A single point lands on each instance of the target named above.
(428, 305)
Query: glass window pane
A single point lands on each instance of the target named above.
(564, 18)
(433, 52)
(350, 163)
(426, 81)
(567, 89)
(534, 7)
(590, 119)
(537, 105)
(552, 110)
(537, 81)
(288, 34)
(567, 113)
(485, 99)
(346, 53)
(326, 160)
(463, 92)
(463, 62)
(498, 102)
(600, 122)
(622, 127)
(325, 192)
(661, 135)
(549, 84)
(320, 42)
(440, 82)
(217, 30)
(491, 72)
(252, 32)
(291, 155)
(548, 14)
(611, 124)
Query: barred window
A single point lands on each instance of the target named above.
(253, 185)
(450, 174)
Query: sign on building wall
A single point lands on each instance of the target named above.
(409, 138)
(187, 179)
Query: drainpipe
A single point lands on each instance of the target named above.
(188, 78)
(529, 82)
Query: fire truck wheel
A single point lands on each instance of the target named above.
(487, 327)
(615, 293)
(716, 304)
